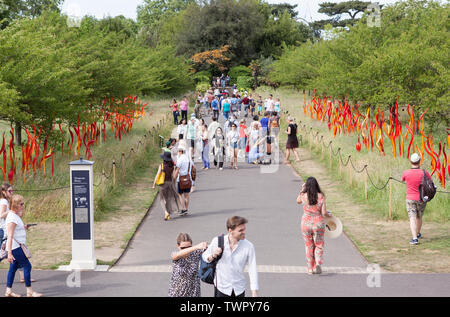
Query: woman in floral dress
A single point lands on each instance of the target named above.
(184, 281)
(313, 225)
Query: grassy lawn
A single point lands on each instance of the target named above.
(366, 222)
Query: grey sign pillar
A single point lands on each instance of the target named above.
(82, 215)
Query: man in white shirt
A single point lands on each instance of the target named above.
(230, 280)
(183, 167)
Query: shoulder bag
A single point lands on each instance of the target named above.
(161, 176)
(25, 249)
(185, 181)
(207, 270)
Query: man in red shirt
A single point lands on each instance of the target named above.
(246, 102)
(414, 206)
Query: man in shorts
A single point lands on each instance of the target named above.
(414, 206)
(183, 167)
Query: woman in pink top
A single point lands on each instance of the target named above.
(313, 225)
(184, 108)
(242, 137)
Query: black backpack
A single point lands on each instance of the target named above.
(207, 270)
(427, 189)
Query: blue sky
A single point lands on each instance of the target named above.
(101, 8)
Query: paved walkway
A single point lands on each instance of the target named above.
(268, 201)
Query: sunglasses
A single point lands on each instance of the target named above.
(182, 248)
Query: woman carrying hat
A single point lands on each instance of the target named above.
(167, 189)
(313, 224)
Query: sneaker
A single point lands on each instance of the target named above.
(419, 235)
(414, 241)
(183, 212)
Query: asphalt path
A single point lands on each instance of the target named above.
(267, 198)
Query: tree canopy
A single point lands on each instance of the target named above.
(406, 57)
(52, 73)
(251, 28)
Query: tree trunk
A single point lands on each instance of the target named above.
(18, 134)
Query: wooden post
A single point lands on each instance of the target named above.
(390, 199)
(350, 176)
(331, 162)
(122, 163)
(114, 173)
(365, 184)
(321, 147)
(310, 139)
(339, 159)
(102, 183)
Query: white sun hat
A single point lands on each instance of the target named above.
(333, 227)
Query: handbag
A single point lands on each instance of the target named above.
(3, 252)
(185, 181)
(25, 249)
(161, 176)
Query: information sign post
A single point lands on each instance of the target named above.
(82, 215)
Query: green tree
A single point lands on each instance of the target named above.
(238, 24)
(14, 9)
(278, 9)
(35, 62)
(335, 12)
(282, 30)
(153, 14)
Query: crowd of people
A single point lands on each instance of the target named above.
(244, 135)
(238, 137)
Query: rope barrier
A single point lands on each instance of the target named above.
(109, 175)
(338, 153)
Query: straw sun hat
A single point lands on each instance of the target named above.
(333, 227)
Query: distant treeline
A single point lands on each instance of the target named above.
(52, 72)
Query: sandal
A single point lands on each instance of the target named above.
(34, 294)
(11, 294)
(318, 270)
(167, 217)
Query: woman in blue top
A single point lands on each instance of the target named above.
(226, 108)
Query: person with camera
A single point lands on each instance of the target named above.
(18, 253)
(185, 281)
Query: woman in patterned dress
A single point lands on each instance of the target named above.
(184, 281)
(313, 225)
